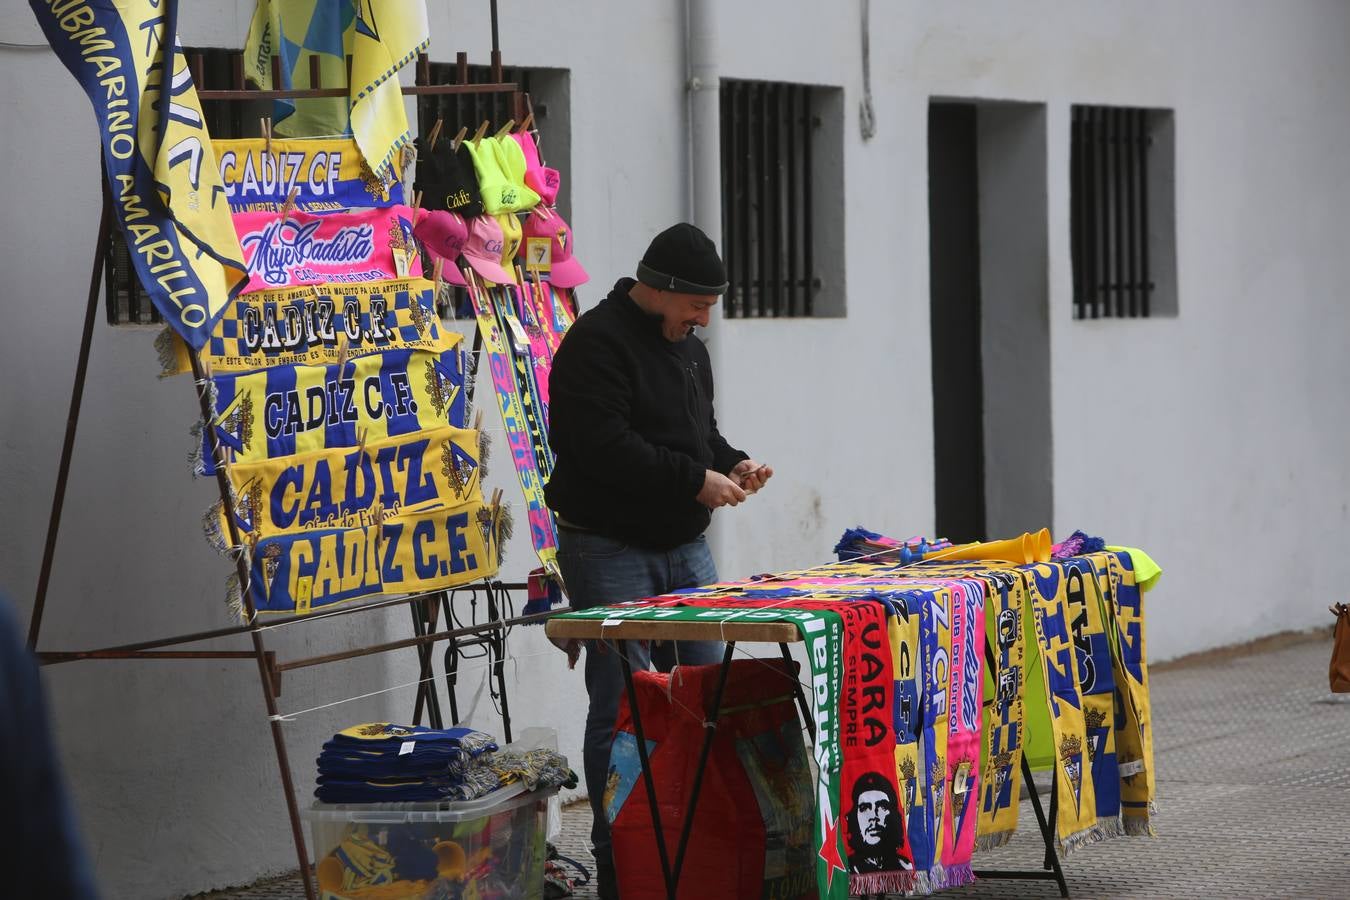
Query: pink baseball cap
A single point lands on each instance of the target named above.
(483, 250)
(444, 234)
(538, 177)
(545, 228)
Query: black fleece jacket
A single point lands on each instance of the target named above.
(632, 427)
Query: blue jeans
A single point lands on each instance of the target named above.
(599, 571)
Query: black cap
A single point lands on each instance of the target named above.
(447, 179)
(684, 260)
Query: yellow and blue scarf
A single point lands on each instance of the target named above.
(341, 488)
(161, 169)
(284, 410)
(326, 174)
(410, 553)
(316, 326)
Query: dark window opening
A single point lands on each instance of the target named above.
(769, 233)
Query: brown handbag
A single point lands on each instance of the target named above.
(1340, 650)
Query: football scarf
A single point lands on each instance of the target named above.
(162, 176)
(348, 247)
(1077, 820)
(543, 536)
(1097, 684)
(540, 355)
(1004, 722)
(963, 731)
(527, 387)
(339, 488)
(411, 553)
(316, 326)
(325, 174)
(935, 636)
(1134, 733)
(284, 410)
(907, 665)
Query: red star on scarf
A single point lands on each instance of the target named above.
(829, 851)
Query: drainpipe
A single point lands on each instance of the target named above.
(703, 197)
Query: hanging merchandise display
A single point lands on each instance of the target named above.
(315, 326)
(315, 174)
(955, 760)
(167, 196)
(298, 248)
(443, 236)
(283, 410)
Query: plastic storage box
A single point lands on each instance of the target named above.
(490, 849)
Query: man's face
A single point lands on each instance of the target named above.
(680, 313)
(874, 811)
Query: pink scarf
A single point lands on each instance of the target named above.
(300, 249)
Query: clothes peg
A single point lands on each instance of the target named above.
(342, 355)
(265, 123)
(435, 133)
(478, 420)
(290, 203)
(459, 138)
(505, 129)
(437, 270)
(361, 444)
(482, 129)
(525, 126)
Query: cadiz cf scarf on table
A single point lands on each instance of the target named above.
(380, 36)
(161, 169)
(1088, 623)
(316, 326)
(326, 174)
(411, 553)
(284, 410)
(339, 488)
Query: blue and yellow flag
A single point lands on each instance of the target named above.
(380, 38)
(161, 169)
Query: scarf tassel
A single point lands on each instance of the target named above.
(862, 885)
(234, 598)
(484, 449)
(958, 875)
(992, 841)
(166, 348)
(211, 527)
(1080, 839)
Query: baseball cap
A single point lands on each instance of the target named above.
(683, 259)
(444, 234)
(446, 179)
(548, 246)
(511, 161)
(539, 177)
(483, 250)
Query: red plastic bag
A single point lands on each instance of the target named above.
(752, 825)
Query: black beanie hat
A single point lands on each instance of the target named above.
(684, 260)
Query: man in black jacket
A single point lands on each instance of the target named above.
(640, 465)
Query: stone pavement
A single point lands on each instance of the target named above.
(1253, 759)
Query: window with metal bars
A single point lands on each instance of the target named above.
(781, 199)
(1122, 212)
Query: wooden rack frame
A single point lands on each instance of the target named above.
(424, 607)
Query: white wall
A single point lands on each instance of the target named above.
(1202, 437)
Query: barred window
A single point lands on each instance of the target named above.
(782, 199)
(1122, 221)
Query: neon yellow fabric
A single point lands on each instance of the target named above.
(1146, 571)
(512, 235)
(511, 163)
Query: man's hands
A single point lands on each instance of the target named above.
(750, 475)
(719, 490)
(746, 478)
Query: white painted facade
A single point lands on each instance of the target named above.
(1216, 438)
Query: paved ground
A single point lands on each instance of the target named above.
(1253, 756)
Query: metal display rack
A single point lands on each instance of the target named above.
(480, 637)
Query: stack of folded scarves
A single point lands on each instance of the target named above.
(384, 763)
